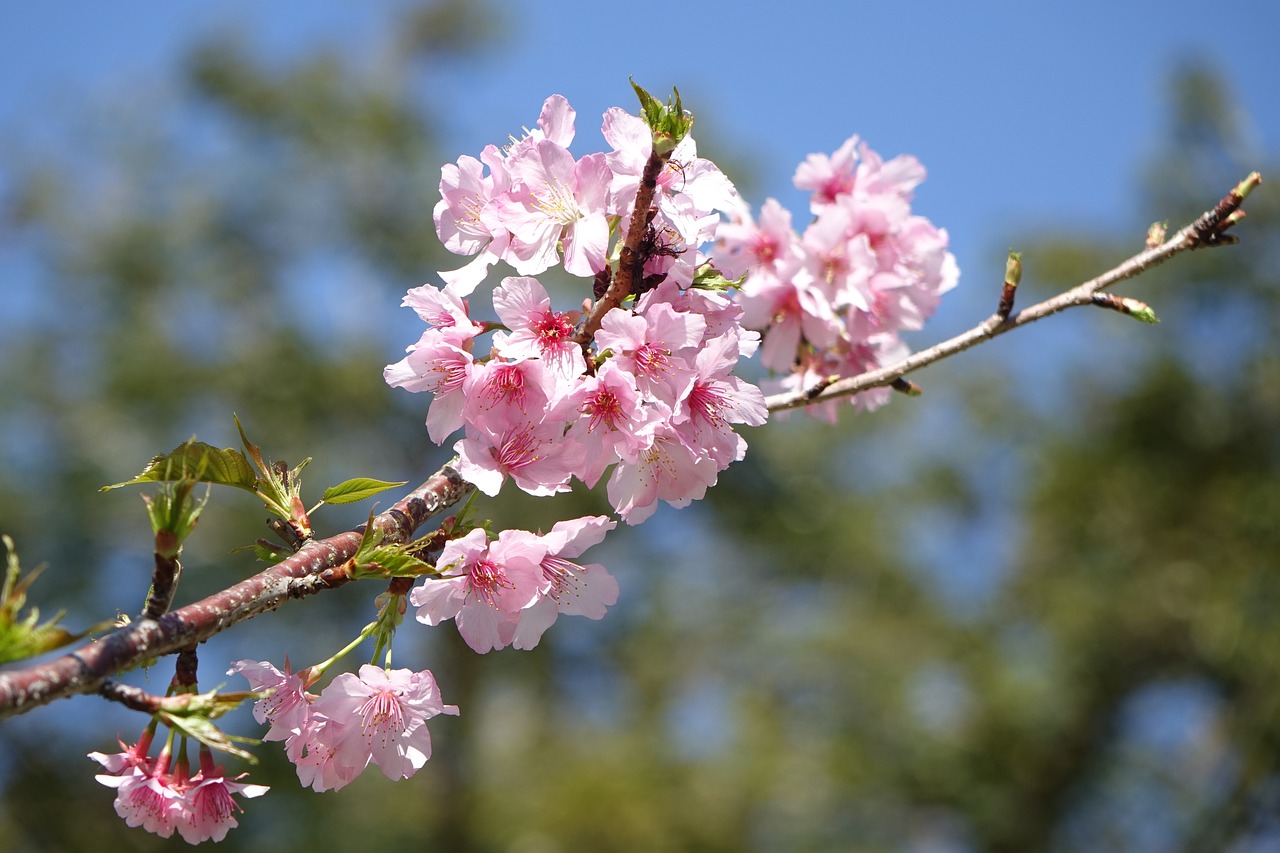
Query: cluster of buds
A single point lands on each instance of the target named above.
(161, 795)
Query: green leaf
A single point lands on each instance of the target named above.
(649, 105)
(193, 715)
(669, 123)
(357, 490)
(391, 561)
(24, 637)
(210, 735)
(710, 278)
(195, 460)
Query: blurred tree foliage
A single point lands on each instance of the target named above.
(796, 663)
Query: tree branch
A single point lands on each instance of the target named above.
(630, 258)
(325, 564)
(318, 565)
(1207, 230)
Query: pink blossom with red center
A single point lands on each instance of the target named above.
(536, 456)
(654, 348)
(614, 421)
(568, 587)
(377, 717)
(481, 585)
(523, 306)
(286, 703)
(498, 393)
(716, 401)
(210, 807)
(767, 247)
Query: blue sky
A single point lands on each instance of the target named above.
(1020, 111)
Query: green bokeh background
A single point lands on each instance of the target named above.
(1032, 610)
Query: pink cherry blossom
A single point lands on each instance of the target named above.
(210, 806)
(654, 348)
(614, 422)
(568, 588)
(481, 585)
(717, 400)
(795, 312)
(442, 368)
(378, 717)
(839, 259)
(719, 313)
(444, 309)
(536, 456)
(554, 200)
(466, 220)
(286, 705)
(145, 793)
(555, 123)
(828, 177)
(313, 757)
(767, 247)
(500, 393)
(667, 470)
(523, 306)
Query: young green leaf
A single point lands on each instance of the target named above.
(22, 636)
(357, 490)
(195, 460)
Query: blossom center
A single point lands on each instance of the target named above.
(652, 360)
(506, 385)
(604, 407)
(561, 574)
(552, 328)
(707, 403)
(487, 580)
(382, 714)
(556, 202)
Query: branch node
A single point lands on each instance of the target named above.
(905, 386)
(1135, 308)
(1012, 276)
(131, 697)
(1156, 234)
(819, 387)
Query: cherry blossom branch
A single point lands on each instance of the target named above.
(1208, 230)
(318, 565)
(630, 258)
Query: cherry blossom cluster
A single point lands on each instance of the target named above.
(832, 301)
(377, 717)
(651, 393)
(162, 796)
(638, 382)
(510, 590)
(502, 592)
